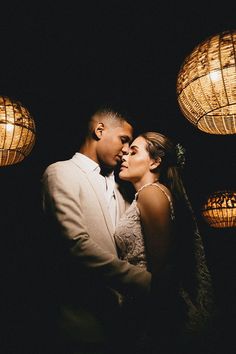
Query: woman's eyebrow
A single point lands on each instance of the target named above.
(134, 147)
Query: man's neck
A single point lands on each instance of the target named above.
(88, 149)
(106, 171)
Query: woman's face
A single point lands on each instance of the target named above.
(136, 165)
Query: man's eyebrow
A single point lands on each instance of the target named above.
(134, 147)
(127, 137)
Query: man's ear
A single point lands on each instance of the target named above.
(98, 130)
(155, 163)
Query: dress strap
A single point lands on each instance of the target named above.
(172, 213)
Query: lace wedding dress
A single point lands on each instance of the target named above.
(130, 244)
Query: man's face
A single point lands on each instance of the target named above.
(113, 144)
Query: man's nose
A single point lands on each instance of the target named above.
(125, 149)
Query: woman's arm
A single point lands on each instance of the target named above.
(157, 227)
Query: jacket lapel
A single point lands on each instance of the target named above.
(94, 182)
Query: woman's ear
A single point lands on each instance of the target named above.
(98, 130)
(155, 163)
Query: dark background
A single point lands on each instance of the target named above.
(62, 62)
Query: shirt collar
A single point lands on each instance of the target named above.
(90, 165)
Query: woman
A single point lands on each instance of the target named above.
(158, 232)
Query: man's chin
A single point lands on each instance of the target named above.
(117, 160)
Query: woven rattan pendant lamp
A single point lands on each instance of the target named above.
(17, 131)
(219, 211)
(206, 85)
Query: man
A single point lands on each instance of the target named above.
(83, 201)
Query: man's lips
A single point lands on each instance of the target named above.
(118, 157)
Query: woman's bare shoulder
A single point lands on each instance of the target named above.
(154, 196)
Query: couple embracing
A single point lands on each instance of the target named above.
(131, 275)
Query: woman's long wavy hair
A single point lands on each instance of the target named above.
(160, 146)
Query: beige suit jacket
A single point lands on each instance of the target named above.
(74, 199)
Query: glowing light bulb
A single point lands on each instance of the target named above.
(9, 127)
(215, 75)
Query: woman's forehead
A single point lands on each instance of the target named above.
(138, 142)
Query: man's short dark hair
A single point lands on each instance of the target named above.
(114, 111)
(117, 113)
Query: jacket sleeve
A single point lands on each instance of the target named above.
(60, 200)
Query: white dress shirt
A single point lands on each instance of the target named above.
(107, 183)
